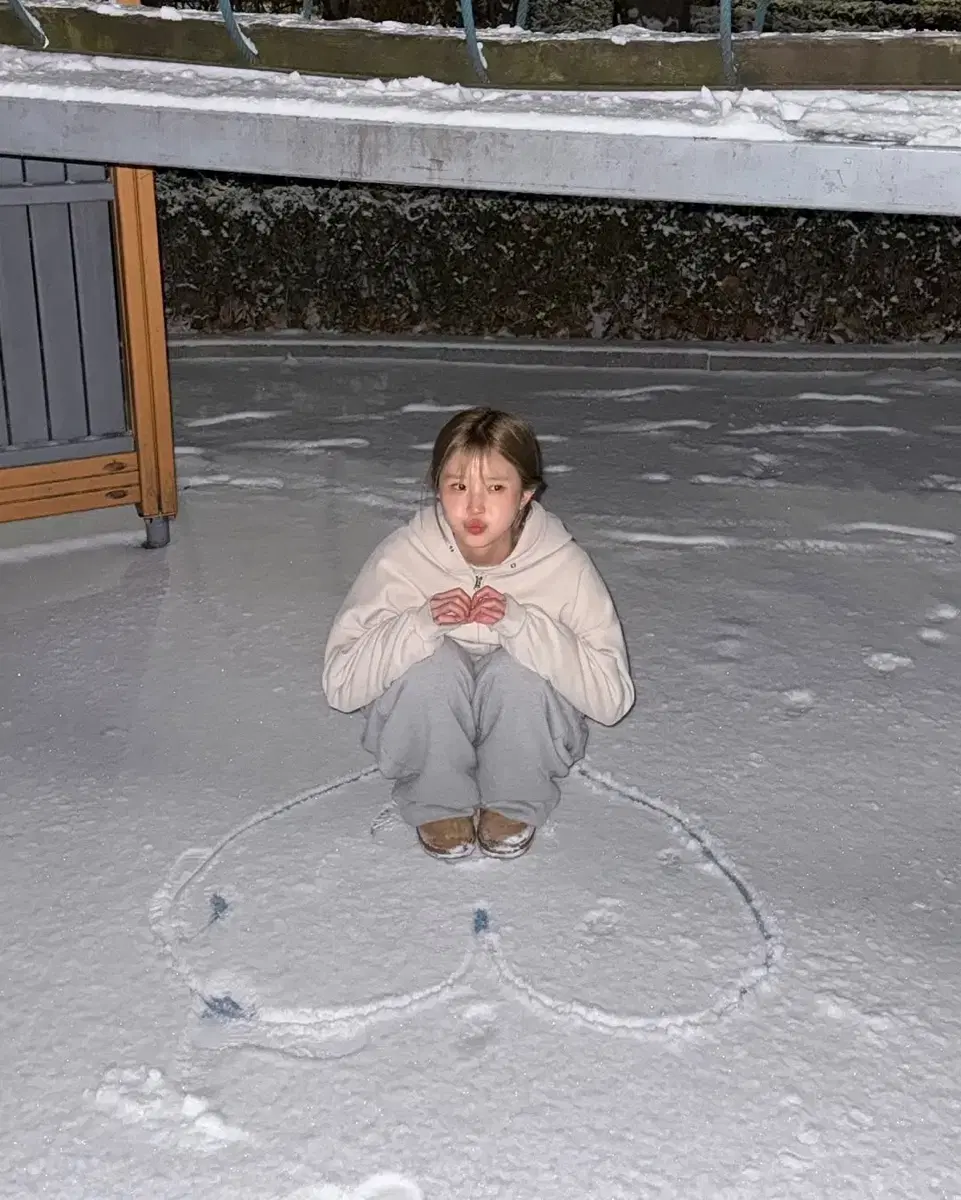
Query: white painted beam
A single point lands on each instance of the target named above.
(347, 132)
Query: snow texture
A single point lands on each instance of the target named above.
(727, 969)
(908, 118)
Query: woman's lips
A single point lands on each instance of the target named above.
(475, 527)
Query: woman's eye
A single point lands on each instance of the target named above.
(497, 487)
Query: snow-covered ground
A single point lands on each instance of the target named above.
(729, 969)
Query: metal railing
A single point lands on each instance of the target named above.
(248, 52)
(26, 17)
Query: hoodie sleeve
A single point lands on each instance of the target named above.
(384, 627)
(585, 659)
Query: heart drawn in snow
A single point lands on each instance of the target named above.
(312, 922)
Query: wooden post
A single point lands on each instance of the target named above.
(145, 340)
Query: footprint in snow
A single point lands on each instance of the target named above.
(602, 922)
(938, 615)
(886, 663)
(763, 466)
(940, 483)
(732, 644)
(478, 1026)
(729, 649)
(797, 701)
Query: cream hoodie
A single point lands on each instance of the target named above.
(560, 619)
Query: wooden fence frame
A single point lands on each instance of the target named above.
(145, 477)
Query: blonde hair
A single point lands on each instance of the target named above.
(483, 431)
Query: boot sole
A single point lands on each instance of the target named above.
(500, 850)
(454, 855)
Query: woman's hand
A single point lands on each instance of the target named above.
(450, 608)
(488, 606)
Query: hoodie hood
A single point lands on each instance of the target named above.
(559, 619)
(543, 535)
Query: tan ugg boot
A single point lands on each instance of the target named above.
(501, 837)
(450, 838)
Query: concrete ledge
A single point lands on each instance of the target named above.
(664, 356)
(542, 160)
(643, 147)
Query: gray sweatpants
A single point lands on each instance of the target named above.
(456, 733)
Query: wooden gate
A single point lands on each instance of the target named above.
(85, 416)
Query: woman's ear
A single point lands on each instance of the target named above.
(527, 497)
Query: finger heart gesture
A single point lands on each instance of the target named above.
(488, 606)
(450, 608)
(455, 607)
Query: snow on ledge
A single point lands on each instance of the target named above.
(921, 118)
(890, 151)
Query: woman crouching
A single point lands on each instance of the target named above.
(478, 638)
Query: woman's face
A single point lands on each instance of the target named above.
(482, 497)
